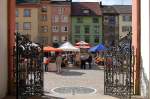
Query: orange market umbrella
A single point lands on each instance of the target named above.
(51, 49)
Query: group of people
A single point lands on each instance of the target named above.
(86, 59)
(63, 59)
(57, 59)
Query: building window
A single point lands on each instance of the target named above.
(27, 25)
(44, 28)
(79, 20)
(96, 39)
(43, 40)
(86, 11)
(77, 38)
(87, 29)
(64, 19)
(28, 36)
(106, 19)
(63, 38)
(87, 39)
(55, 19)
(44, 9)
(95, 20)
(17, 12)
(17, 26)
(126, 28)
(112, 20)
(55, 38)
(44, 17)
(27, 12)
(60, 10)
(77, 29)
(55, 29)
(64, 29)
(96, 29)
(127, 18)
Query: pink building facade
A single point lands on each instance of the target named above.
(60, 21)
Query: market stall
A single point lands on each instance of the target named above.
(51, 59)
(69, 47)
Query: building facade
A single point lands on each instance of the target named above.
(110, 25)
(44, 29)
(3, 48)
(86, 22)
(125, 19)
(27, 20)
(60, 22)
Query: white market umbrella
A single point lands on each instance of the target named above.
(69, 47)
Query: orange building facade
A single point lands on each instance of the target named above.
(136, 42)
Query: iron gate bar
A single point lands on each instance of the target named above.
(119, 70)
(17, 65)
(29, 70)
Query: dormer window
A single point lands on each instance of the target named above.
(44, 9)
(86, 11)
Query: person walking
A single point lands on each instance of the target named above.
(46, 64)
(59, 62)
(90, 61)
(83, 62)
(77, 59)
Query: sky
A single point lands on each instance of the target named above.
(108, 2)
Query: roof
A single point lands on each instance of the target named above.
(27, 1)
(93, 7)
(60, 3)
(123, 9)
(108, 9)
(30, 5)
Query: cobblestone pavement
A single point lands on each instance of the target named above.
(75, 77)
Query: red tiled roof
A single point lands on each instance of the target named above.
(94, 7)
(31, 5)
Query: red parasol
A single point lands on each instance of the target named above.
(82, 43)
(84, 46)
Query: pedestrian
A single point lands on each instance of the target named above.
(46, 64)
(59, 62)
(83, 61)
(90, 61)
(77, 59)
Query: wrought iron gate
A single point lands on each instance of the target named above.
(29, 71)
(118, 72)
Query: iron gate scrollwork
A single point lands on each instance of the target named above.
(118, 70)
(29, 71)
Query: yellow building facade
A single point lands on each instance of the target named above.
(27, 20)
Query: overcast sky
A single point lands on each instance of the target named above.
(108, 2)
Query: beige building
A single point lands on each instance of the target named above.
(27, 20)
(45, 23)
(3, 48)
(125, 19)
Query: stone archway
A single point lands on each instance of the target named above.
(136, 40)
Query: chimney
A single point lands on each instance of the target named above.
(100, 3)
